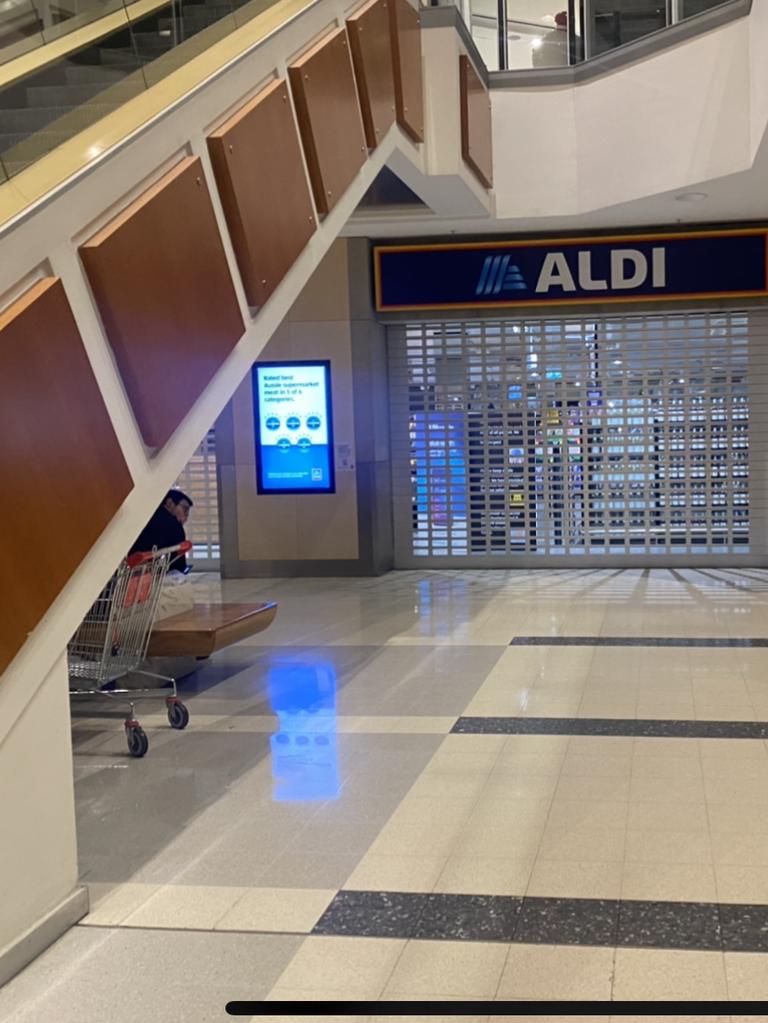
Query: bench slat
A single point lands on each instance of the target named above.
(206, 628)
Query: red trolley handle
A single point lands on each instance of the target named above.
(142, 557)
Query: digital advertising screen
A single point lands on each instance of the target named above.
(294, 428)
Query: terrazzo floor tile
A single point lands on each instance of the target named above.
(457, 969)
(744, 928)
(469, 918)
(539, 972)
(565, 922)
(374, 914)
(664, 925)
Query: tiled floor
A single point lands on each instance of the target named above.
(485, 786)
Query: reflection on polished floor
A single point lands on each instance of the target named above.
(445, 785)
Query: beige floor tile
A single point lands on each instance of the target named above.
(748, 850)
(575, 813)
(661, 790)
(510, 839)
(655, 974)
(577, 765)
(285, 994)
(562, 972)
(484, 875)
(460, 969)
(747, 975)
(429, 838)
(654, 816)
(669, 882)
(377, 872)
(747, 885)
(734, 792)
(738, 749)
(575, 880)
(595, 845)
(462, 764)
(667, 768)
(277, 909)
(668, 847)
(193, 907)
(492, 808)
(736, 818)
(611, 789)
(425, 725)
(418, 809)
(650, 746)
(352, 967)
(447, 786)
(493, 744)
(112, 903)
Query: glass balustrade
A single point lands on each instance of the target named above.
(526, 34)
(47, 102)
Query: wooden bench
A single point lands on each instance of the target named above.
(206, 628)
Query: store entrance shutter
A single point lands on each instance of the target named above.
(198, 480)
(553, 442)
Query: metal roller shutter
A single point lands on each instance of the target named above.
(621, 439)
(198, 480)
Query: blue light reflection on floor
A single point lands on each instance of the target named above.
(305, 757)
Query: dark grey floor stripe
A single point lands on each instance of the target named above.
(635, 641)
(696, 926)
(644, 728)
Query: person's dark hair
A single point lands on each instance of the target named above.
(178, 495)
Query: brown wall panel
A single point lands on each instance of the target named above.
(475, 122)
(257, 161)
(162, 284)
(406, 57)
(323, 86)
(370, 40)
(62, 472)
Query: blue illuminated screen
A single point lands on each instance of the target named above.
(294, 427)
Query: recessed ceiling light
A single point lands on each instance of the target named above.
(536, 43)
(691, 196)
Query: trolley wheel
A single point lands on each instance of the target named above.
(178, 715)
(138, 743)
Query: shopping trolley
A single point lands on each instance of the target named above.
(112, 641)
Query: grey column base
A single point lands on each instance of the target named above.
(43, 933)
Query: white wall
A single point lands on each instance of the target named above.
(38, 854)
(694, 112)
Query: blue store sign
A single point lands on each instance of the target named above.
(631, 268)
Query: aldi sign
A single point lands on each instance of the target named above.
(630, 268)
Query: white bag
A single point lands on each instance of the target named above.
(176, 596)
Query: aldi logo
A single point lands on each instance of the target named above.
(632, 268)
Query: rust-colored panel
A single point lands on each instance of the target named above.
(331, 128)
(62, 470)
(475, 122)
(259, 170)
(406, 58)
(166, 297)
(370, 40)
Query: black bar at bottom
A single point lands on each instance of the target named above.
(492, 1008)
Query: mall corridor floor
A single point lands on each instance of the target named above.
(476, 785)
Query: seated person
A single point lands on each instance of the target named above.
(166, 529)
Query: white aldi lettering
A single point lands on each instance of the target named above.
(629, 269)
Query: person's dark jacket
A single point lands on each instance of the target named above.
(162, 530)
